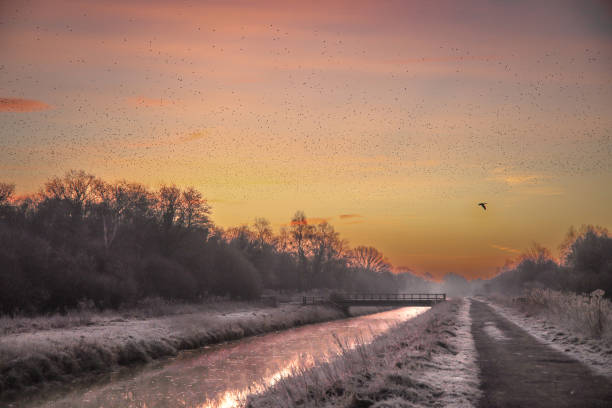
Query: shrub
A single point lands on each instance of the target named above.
(164, 277)
(236, 276)
(587, 313)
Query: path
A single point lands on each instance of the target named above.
(518, 371)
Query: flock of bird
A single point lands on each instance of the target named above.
(291, 106)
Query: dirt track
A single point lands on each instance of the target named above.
(518, 371)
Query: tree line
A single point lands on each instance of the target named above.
(82, 238)
(584, 265)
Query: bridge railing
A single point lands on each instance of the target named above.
(394, 297)
(377, 297)
(313, 300)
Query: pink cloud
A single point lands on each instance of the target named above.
(22, 105)
(345, 216)
(505, 249)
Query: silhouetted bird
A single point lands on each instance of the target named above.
(483, 205)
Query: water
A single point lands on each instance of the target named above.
(217, 376)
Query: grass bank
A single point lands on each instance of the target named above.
(584, 314)
(36, 353)
(427, 361)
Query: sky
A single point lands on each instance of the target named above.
(392, 120)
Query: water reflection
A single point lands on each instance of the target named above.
(219, 376)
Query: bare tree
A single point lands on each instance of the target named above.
(107, 208)
(240, 236)
(283, 240)
(193, 208)
(186, 208)
(117, 202)
(6, 192)
(325, 246)
(168, 201)
(369, 258)
(537, 254)
(574, 235)
(263, 231)
(76, 188)
(300, 233)
(589, 250)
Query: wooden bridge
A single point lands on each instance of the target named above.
(377, 299)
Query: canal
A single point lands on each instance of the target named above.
(217, 376)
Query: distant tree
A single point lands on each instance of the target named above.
(240, 237)
(76, 188)
(114, 243)
(369, 258)
(6, 191)
(404, 269)
(263, 232)
(588, 250)
(194, 210)
(588, 259)
(118, 202)
(327, 247)
(534, 268)
(300, 233)
(168, 200)
(537, 254)
(283, 240)
(108, 211)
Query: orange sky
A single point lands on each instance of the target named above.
(403, 114)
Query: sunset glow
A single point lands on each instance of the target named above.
(390, 120)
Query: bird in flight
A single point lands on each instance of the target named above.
(483, 205)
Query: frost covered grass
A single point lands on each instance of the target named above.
(87, 315)
(427, 361)
(590, 313)
(585, 314)
(575, 324)
(35, 352)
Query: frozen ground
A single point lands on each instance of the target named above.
(595, 353)
(88, 315)
(457, 374)
(517, 370)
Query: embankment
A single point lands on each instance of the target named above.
(427, 361)
(37, 355)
